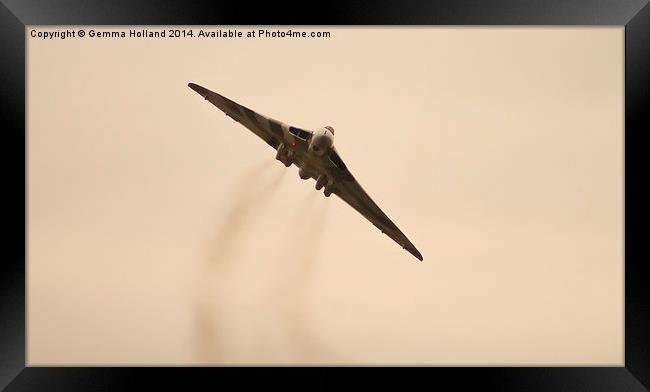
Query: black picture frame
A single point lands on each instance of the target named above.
(633, 14)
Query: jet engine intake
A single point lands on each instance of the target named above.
(321, 182)
(283, 155)
(303, 174)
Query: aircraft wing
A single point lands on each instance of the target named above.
(273, 132)
(350, 191)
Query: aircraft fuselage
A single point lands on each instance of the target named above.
(311, 161)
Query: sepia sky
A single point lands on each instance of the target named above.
(162, 232)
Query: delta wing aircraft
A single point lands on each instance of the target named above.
(314, 154)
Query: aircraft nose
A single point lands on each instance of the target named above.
(322, 142)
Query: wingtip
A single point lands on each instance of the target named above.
(202, 91)
(416, 253)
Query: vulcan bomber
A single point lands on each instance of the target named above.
(315, 155)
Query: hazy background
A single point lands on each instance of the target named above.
(162, 232)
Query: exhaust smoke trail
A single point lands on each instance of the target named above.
(250, 197)
(246, 202)
(293, 292)
(294, 272)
